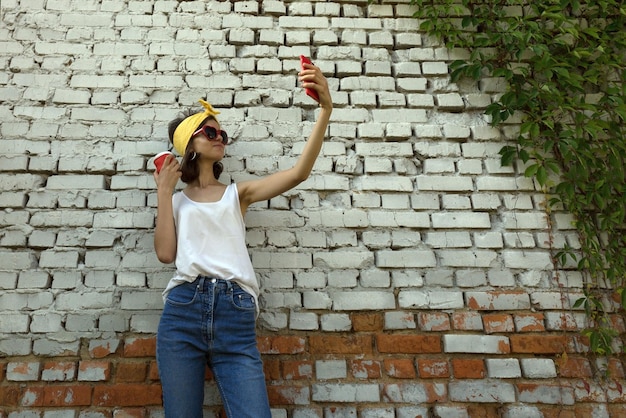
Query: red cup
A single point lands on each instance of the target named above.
(159, 159)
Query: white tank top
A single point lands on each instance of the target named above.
(211, 241)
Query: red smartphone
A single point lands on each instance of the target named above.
(310, 92)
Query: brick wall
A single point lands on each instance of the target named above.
(410, 276)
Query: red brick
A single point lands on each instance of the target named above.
(103, 348)
(529, 322)
(617, 410)
(483, 411)
(66, 395)
(400, 368)
(127, 395)
(616, 369)
(9, 395)
(408, 344)
(153, 372)
(271, 369)
(281, 344)
(32, 396)
(94, 370)
(538, 344)
(297, 369)
(365, 369)
(432, 368)
(367, 322)
(131, 372)
(288, 395)
(468, 368)
(349, 344)
(433, 321)
(140, 347)
(467, 321)
(497, 323)
(618, 323)
(558, 412)
(575, 367)
(58, 371)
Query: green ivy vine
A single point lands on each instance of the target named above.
(564, 64)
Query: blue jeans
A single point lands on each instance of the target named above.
(210, 322)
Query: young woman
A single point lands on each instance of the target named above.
(211, 302)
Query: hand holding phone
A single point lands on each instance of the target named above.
(310, 92)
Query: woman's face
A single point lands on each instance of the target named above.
(210, 141)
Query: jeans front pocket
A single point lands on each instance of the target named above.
(242, 300)
(183, 295)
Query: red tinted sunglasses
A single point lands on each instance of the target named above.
(211, 133)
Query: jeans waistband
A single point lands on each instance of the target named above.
(205, 281)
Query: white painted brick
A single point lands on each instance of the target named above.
(72, 182)
(23, 372)
(336, 322)
(375, 278)
(522, 411)
(413, 393)
(316, 300)
(519, 240)
(450, 102)
(538, 368)
(505, 368)
(477, 101)
(362, 300)
(343, 259)
(425, 299)
(435, 68)
(331, 369)
(400, 320)
(348, 392)
(405, 259)
(444, 183)
(539, 260)
(58, 259)
(484, 344)
(273, 320)
(467, 258)
(482, 391)
(461, 220)
(406, 279)
(448, 239)
(396, 201)
(14, 323)
(46, 322)
(556, 321)
(488, 240)
(386, 183)
(303, 321)
(525, 220)
(455, 202)
(83, 300)
(8, 280)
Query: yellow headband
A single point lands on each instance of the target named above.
(182, 134)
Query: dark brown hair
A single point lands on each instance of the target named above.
(189, 166)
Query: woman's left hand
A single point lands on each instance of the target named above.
(311, 77)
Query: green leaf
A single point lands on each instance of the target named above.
(542, 176)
